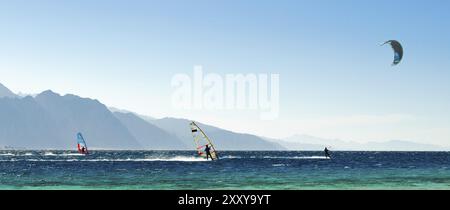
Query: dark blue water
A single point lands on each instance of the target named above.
(235, 170)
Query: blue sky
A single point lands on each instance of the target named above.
(335, 79)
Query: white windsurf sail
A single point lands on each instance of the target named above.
(202, 141)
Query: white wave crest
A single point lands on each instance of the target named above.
(298, 157)
(72, 154)
(175, 159)
(148, 159)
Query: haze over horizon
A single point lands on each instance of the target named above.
(336, 82)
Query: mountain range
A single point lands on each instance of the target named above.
(5, 92)
(50, 121)
(306, 142)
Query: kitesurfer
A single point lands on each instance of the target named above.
(327, 153)
(208, 152)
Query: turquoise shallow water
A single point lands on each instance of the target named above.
(235, 170)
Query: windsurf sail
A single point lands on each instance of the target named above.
(201, 141)
(81, 144)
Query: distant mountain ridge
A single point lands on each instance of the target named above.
(75, 114)
(5, 92)
(305, 142)
(223, 139)
(143, 131)
(50, 121)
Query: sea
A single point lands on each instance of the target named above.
(236, 170)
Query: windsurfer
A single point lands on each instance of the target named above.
(208, 152)
(82, 147)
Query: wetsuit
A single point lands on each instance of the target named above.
(208, 153)
(327, 153)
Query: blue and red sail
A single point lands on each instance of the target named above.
(81, 144)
